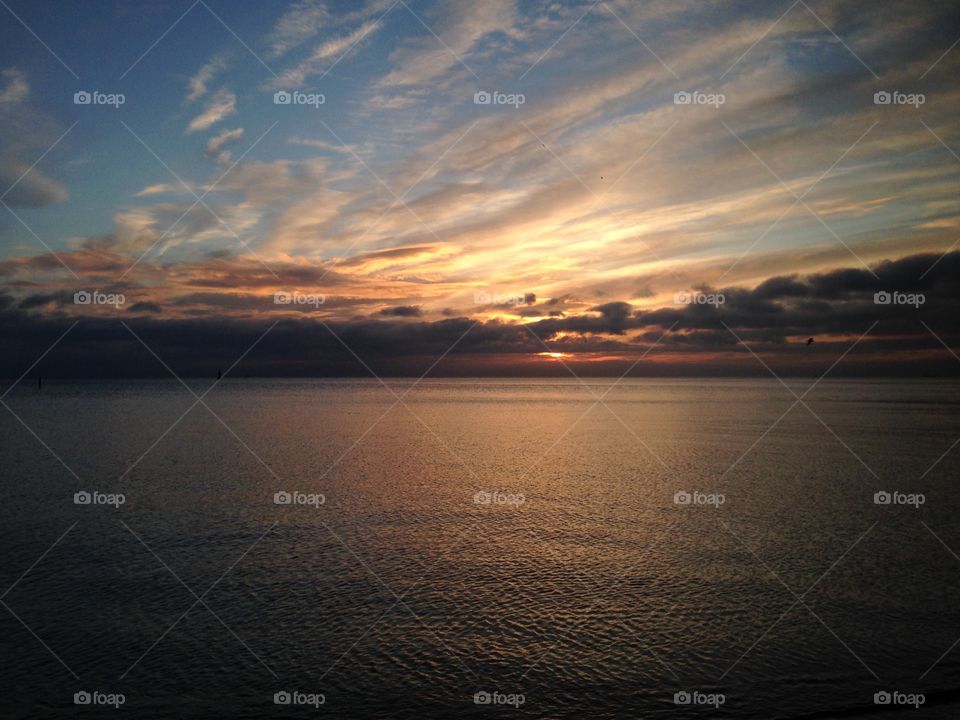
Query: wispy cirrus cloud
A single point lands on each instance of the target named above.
(223, 104)
(198, 83)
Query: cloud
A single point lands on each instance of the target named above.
(156, 189)
(32, 190)
(302, 21)
(324, 55)
(402, 311)
(221, 105)
(197, 85)
(217, 142)
(16, 88)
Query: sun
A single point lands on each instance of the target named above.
(554, 355)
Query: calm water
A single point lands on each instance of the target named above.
(584, 587)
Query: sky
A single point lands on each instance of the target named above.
(479, 188)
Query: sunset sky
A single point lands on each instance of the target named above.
(406, 219)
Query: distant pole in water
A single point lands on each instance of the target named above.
(39, 382)
(219, 375)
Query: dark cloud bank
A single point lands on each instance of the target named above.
(835, 308)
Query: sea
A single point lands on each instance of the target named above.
(480, 548)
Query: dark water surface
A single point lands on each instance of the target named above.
(583, 586)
